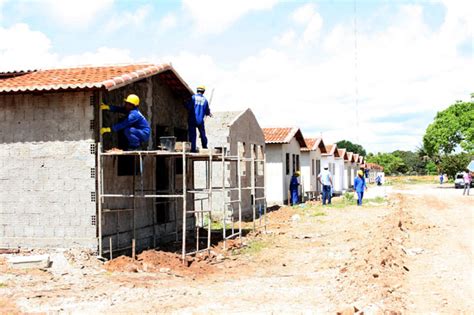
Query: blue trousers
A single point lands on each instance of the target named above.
(192, 136)
(135, 137)
(327, 194)
(294, 196)
(360, 195)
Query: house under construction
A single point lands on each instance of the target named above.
(62, 187)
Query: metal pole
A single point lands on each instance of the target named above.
(183, 253)
(209, 216)
(224, 211)
(100, 193)
(239, 183)
(253, 192)
(264, 190)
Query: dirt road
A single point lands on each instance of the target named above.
(409, 253)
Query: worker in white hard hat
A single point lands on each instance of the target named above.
(325, 179)
(198, 108)
(135, 127)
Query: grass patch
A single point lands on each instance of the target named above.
(254, 247)
(3, 285)
(394, 180)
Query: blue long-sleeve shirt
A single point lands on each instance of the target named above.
(359, 184)
(134, 119)
(198, 108)
(294, 182)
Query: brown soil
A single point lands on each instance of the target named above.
(413, 255)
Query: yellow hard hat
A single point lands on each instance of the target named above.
(201, 88)
(360, 172)
(132, 99)
(297, 173)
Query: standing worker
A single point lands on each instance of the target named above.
(360, 186)
(325, 179)
(198, 108)
(467, 182)
(294, 184)
(135, 127)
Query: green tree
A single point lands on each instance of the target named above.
(451, 128)
(453, 163)
(351, 147)
(391, 163)
(413, 163)
(431, 168)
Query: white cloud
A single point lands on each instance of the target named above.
(215, 16)
(22, 48)
(168, 22)
(304, 14)
(102, 56)
(76, 14)
(307, 16)
(128, 19)
(286, 39)
(404, 68)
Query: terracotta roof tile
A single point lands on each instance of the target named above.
(108, 77)
(313, 144)
(331, 150)
(283, 135)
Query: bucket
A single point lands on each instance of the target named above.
(168, 143)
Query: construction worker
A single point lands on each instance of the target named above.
(325, 179)
(360, 186)
(135, 127)
(198, 108)
(294, 184)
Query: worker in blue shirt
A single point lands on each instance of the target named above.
(294, 184)
(360, 186)
(135, 127)
(198, 108)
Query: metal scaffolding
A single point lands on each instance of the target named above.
(232, 208)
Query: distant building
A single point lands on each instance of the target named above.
(283, 150)
(311, 165)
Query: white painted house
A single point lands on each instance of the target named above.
(311, 166)
(344, 169)
(283, 149)
(338, 179)
(349, 169)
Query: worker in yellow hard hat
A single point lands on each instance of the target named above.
(198, 108)
(294, 184)
(360, 186)
(135, 127)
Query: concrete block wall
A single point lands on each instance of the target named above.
(46, 171)
(161, 107)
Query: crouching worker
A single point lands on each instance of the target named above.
(294, 184)
(135, 127)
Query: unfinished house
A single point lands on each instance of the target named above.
(59, 185)
(374, 171)
(240, 135)
(283, 149)
(329, 159)
(311, 167)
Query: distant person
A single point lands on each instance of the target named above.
(134, 127)
(467, 182)
(441, 179)
(360, 187)
(366, 172)
(325, 179)
(378, 180)
(198, 108)
(294, 185)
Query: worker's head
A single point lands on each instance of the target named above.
(201, 89)
(360, 172)
(131, 101)
(297, 173)
(326, 167)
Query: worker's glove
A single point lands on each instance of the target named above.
(104, 107)
(105, 130)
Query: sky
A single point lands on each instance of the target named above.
(371, 72)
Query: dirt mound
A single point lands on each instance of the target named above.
(280, 216)
(165, 262)
(123, 264)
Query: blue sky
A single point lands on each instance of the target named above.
(292, 62)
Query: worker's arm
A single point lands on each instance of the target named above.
(207, 109)
(117, 109)
(129, 121)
